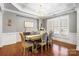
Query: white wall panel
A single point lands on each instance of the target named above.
(9, 38)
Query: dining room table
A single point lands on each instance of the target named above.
(33, 37)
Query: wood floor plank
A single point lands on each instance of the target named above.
(58, 49)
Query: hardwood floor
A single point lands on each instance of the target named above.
(56, 50)
(11, 50)
(77, 53)
(59, 49)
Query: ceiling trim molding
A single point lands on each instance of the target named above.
(62, 13)
(17, 12)
(20, 13)
(28, 12)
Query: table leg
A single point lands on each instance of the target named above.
(41, 49)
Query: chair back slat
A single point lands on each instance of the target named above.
(50, 36)
(22, 36)
(44, 37)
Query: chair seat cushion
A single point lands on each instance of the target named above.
(44, 43)
(27, 45)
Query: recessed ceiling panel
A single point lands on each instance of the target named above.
(44, 9)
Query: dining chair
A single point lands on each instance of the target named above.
(25, 44)
(43, 41)
(50, 39)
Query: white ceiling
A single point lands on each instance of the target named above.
(43, 9)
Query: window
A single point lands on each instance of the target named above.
(59, 24)
(28, 24)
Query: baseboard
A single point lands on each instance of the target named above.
(67, 45)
